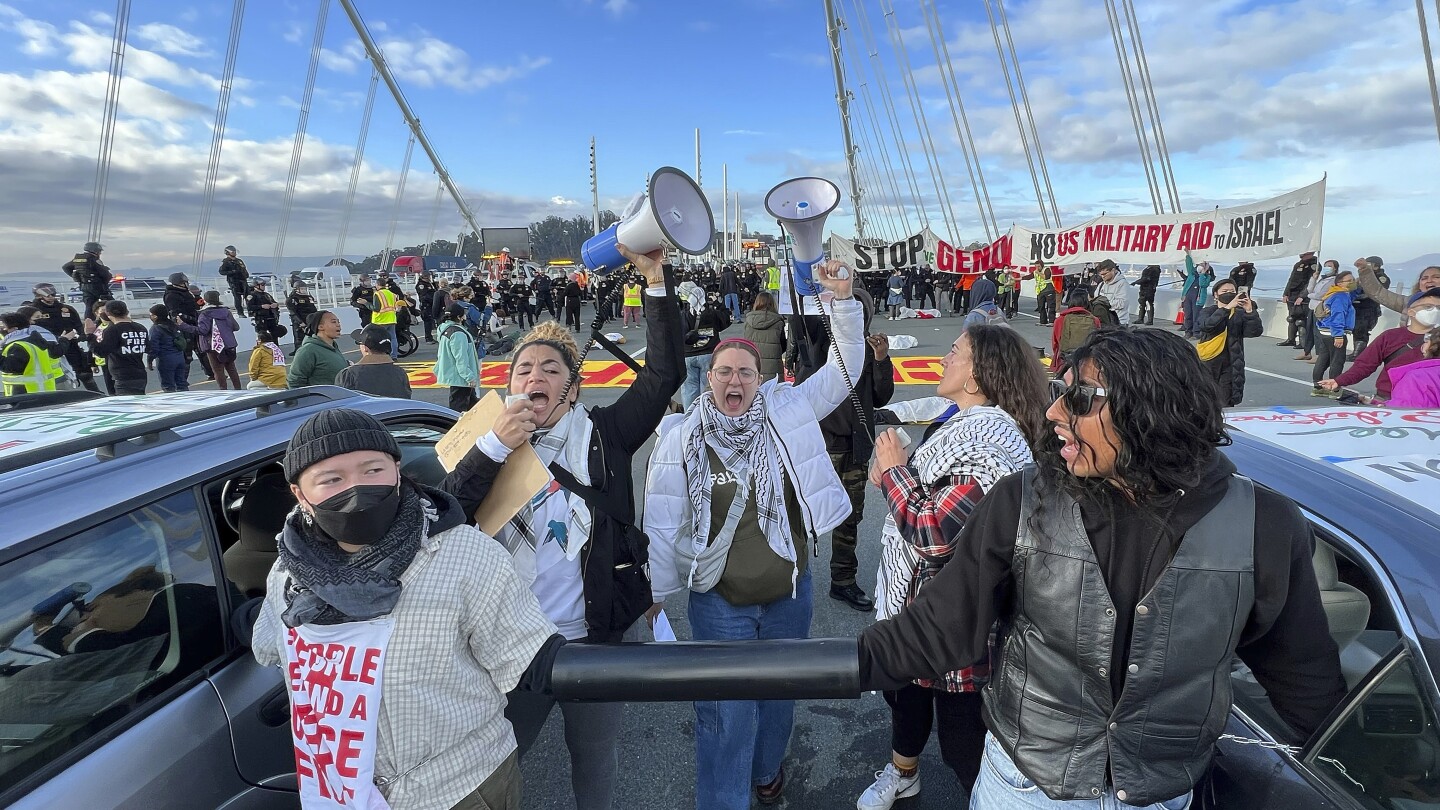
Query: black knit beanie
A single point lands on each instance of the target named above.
(332, 433)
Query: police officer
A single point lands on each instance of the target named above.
(425, 296)
(361, 298)
(264, 312)
(90, 273)
(27, 364)
(65, 323)
(232, 267)
(301, 305)
(180, 303)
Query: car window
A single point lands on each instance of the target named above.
(417, 452)
(1386, 752)
(95, 625)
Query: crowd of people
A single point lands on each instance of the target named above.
(977, 619)
(1037, 507)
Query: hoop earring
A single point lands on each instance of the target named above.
(968, 391)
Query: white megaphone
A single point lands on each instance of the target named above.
(801, 206)
(672, 211)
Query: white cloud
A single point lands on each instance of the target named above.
(618, 7)
(294, 32)
(38, 37)
(560, 201)
(427, 61)
(743, 132)
(168, 39)
(346, 60)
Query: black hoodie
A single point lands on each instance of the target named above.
(1285, 642)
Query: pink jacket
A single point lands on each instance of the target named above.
(1416, 385)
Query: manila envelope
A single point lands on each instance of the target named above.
(521, 477)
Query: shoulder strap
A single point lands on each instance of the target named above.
(590, 495)
(1409, 346)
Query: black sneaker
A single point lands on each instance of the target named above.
(770, 794)
(853, 596)
(1287, 343)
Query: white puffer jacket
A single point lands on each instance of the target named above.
(793, 414)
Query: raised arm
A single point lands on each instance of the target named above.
(827, 387)
(638, 411)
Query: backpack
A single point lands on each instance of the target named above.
(1074, 329)
(1100, 308)
(182, 341)
(986, 314)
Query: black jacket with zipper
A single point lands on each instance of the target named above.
(614, 564)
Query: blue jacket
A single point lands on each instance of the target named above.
(1341, 316)
(162, 340)
(456, 362)
(1194, 278)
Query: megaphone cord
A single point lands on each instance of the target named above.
(601, 307)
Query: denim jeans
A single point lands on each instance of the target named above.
(695, 370)
(1002, 786)
(394, 340)
(1191, 307)
(732, 302)
(174, 371)
(741, 743)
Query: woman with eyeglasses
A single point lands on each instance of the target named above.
(993, 378)
(1123, 571)
(736, 496)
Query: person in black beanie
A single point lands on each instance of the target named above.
(384, 571)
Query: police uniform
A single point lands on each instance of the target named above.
(58, 318)
(300, 305)
(92, 275)
(360, 299)
(233, 269)
(425, 296)
(266, 319)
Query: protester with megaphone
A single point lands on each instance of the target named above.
(576, 545)
(735, 497)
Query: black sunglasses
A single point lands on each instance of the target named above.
(1079, 398)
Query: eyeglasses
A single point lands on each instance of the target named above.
(726, 373)
(1079, 398)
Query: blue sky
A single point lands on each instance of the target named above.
(1256, 97)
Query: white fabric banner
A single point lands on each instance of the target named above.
(1280, 227)
(334, 674)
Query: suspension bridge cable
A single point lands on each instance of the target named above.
(217, 136)
(863, 14)
(871, 178)
(1124, 62)
(356, 164)
(399, 202)
(1015, 108)
(1029, 113)
(922, 124)
(842, 102)
(940, 60)
(1429, 61)
(1172, 189)
(881, 145)
(107, 125)
(434, 215)
(298, 147)
(968, 135)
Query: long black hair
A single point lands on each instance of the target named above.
(1008, 372)
(1164, 407)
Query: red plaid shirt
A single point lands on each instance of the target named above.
(930, 519)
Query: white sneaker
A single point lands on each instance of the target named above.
(889, 786)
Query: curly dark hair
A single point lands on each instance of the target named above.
(1164, 407)
(1008, 371)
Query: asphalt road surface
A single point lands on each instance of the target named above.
(837, 745)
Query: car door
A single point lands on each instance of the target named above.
(106, 638)
(1380, 747)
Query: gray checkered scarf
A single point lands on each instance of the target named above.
(741, 442)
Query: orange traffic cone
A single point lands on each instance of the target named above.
(1180, 317)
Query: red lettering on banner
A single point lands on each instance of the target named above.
(359, 709)
(944, 257)
(302, 764)
(349, 750)
(1165, 231)
(1093, 241)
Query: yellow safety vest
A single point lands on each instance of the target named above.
(632, 295)
(388, 303)
(772, 278)
(40, 374)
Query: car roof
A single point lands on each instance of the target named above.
(1400, 534)
(83, 460)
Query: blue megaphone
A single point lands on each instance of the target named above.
(672, 211)
(801, 206)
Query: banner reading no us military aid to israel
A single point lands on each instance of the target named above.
(1280, 227)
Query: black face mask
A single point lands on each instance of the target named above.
(359, 516)
(1225, 297)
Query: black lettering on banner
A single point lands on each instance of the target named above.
(897, 255)
(916, 248)
(1261, 229)
(1042, 247)
(862, 257)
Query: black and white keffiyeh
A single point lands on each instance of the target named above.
(743, 443)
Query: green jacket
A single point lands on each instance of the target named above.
(316, 363)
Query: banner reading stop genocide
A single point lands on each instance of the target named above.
(1280, 227)
(922, 249)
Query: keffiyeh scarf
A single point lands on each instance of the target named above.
(743, 444)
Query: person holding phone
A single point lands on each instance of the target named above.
(1233, 313)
